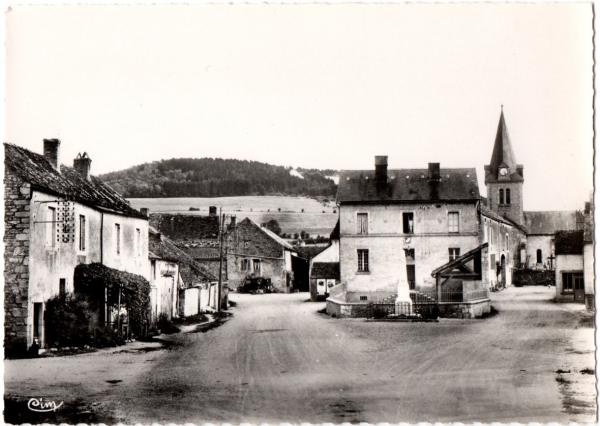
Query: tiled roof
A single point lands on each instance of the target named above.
(549, 222)
(568, 242)
(495, 216)
(335, 234)
(325, 270)
(68, 183)
(271, 234)
(310, 251)
(160, 247)
(408, 185)
(186, 227)
(204, 253)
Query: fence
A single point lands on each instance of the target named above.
(425, 296)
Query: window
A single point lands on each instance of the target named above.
(409, 254)
(363, 260)
(507, 199)
(245, 265)
(138, 241)
(363, 298)
(501, 196)
(118, 237)
(408, 223)
(452, 221)
(572, 281)
(493, 262)
(51, 236)
(62, 287)
(507, 242)
(81, 232)
(256, 265)
(538, 256)
(153, 269)
(453, 253)
(362, 223)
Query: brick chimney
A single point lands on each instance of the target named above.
(381, 165)
(52, 152)
(82, 163)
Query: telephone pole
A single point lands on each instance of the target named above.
(222, 222)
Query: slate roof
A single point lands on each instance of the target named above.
(503, 155)
(408, 185)
(549, 222)
(68, 183)
(568, 242)
(161, 247)
(186, 227)
(325, 270)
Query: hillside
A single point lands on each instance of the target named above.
(215, 177)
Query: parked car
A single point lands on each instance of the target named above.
(256, 285)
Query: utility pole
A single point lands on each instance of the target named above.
(222, 222)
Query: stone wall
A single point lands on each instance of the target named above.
(16, 262)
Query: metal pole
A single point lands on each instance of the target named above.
(222, 220)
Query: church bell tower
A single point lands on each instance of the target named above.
(504, 177)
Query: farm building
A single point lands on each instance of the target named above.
(56, 218)
(255, 251)
(176, 280)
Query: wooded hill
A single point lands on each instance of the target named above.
(215, 177)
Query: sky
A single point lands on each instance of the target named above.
(318, 86)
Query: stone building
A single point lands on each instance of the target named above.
(176, 280)
(397, 226)
(57, 217)
(255, 251)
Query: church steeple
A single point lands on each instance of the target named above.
(503, 165)
(504, 177)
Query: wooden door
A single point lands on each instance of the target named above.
(578, 288)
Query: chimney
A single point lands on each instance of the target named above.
(52, 152)
(232, 223)
(434, 172)
(212, 211)
(82, 163)
(588, 208)
(144, 211)
(381, 168)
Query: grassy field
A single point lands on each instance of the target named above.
(294, 214)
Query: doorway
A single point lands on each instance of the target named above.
(503, 271)
(578, 288)
(38, 322)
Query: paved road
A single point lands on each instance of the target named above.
(279, 360)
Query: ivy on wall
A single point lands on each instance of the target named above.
(91, 280)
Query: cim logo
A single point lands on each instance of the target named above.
(40, 406)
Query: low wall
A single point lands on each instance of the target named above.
(472, 309)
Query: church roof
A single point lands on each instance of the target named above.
(408, 185)
(503, 155)
(549, 222)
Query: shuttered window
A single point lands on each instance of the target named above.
(362, 223)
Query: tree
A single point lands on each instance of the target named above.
(273, 225)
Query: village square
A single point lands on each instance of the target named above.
(256, 213)
(428, 301)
